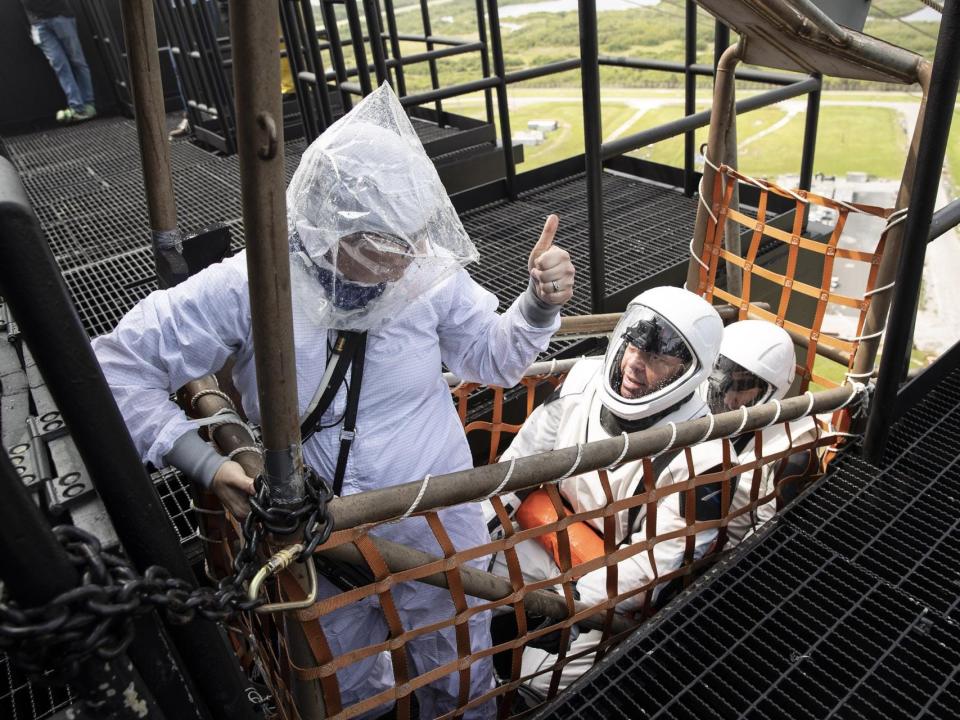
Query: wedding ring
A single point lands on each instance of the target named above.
(556, 288)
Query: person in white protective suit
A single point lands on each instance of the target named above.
(376, 247)
(661, 351)
(757, 364)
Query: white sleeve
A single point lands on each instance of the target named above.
(479, 345)
(169, 338)
(539, 432)
(638, 570)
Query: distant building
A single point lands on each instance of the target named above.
(528, 137)
(542, 125)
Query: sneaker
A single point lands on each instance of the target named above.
(65, 116)
(87, 112)
(181, 130)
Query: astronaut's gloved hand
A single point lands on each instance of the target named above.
(551, 641)
(233, 487)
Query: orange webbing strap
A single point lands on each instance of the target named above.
(459, 598)
(317, 641)
(496, 425)
(713, 252)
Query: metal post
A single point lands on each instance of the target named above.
(256, 69)
(721, 116)
(944, 79)
(434, 72)
(372, 14)
(35, 569)
(62, 351)
(395, 47)
(359, 52)
(721, 41)
(592, 138)
(484, 58)
(690, 98)
(810, 138)
(503, 107)
(140, 38)
(336, 53)
(876, 319)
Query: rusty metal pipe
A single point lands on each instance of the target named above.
(256, 71)
(722, 116)
(477, 483)
(877, 313)
(476, 583)
(146, 91)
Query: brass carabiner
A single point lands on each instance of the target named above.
(279, 562)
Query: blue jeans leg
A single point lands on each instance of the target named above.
(66, 30)
(46, 37)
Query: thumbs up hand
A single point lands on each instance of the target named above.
(550, 267)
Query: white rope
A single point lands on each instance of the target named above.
(416, 500)
(879, 289)
(704, 202)
(709, 429)
(858, 338)
(242, 449)
(743, 423)
(210, 391)
(812, 400)
(576, 464)
(776, 415)
(506, 479)
(694, 256)
(848, 206)
(230, 412)
(673, 438)
(623, 453)
(855, 389)
(849, 375)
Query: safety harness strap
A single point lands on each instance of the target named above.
(343, 350)
(660, 463)
(348, 431)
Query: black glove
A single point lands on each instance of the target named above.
(551, 641)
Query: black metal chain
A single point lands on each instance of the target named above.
(96, 618)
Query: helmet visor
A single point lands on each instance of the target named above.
(731, 386)
(647, 356)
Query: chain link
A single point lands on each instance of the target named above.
(96, 618)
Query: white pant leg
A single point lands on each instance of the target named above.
(535, 659)
(535, 563)
(354, 626)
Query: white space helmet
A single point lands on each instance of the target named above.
(662, 349)
(754, 355)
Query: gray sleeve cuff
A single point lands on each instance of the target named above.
(536, 311)
(195, 459)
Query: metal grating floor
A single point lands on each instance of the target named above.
(87, 189)
(846, 608)
(793, 630)
(21, 699)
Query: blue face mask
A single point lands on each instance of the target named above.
(346, 294)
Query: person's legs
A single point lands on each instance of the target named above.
(424, 605)
(535, 660)
(355, 626)
(66, 31)
(46, 38)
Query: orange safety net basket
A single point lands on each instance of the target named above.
(830, 252)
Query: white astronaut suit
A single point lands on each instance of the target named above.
(756, 365)
(367, 178)
(590, 407)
